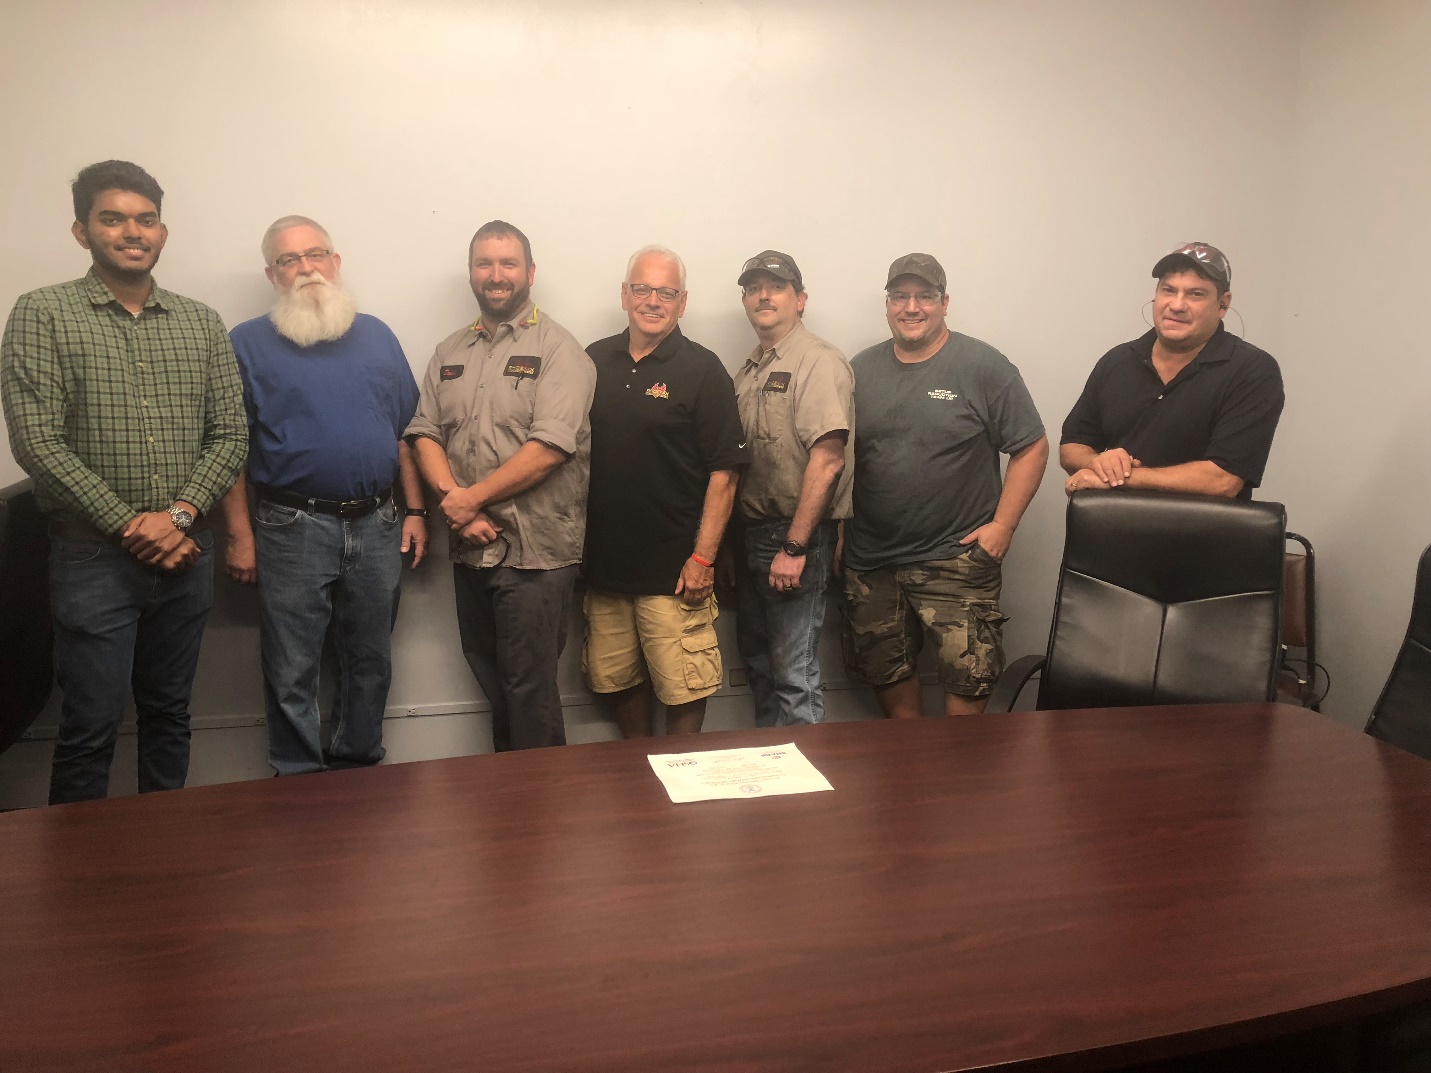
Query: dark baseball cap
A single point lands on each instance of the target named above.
(921, 265)
(1209, 260)
(780, 265)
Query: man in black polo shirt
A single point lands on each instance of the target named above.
(1189, 407)
(665, 444)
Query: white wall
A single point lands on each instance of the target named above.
(1046, 152)
(1352, 454)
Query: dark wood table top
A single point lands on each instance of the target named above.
(1064, 890)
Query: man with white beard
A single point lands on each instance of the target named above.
(328, 392)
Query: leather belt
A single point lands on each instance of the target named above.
(343, 508)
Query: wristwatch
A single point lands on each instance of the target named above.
(414, 512)
(793, 549)
(181, 518)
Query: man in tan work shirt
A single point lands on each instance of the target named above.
(796, 399)
(502, 435)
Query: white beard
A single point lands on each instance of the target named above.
(314, 311)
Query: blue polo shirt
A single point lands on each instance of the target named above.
(324, 420)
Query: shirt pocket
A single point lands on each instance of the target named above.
(775, 416)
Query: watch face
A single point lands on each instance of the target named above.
(182, 518)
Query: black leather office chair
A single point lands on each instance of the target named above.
(1402, 715)
(26, 635)
(1162, 599)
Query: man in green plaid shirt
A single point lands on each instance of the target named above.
(124, 403)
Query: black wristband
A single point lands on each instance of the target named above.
(414, 512)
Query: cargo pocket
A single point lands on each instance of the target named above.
(985, 652)
(700, 649)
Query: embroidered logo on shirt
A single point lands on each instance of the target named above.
(777, 382)
(942, 393)
(523, 366)
(658, 391)
(451, 372)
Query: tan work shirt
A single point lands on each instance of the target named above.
(789, 396)
(486, 395)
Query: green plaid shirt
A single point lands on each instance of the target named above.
(114, 414)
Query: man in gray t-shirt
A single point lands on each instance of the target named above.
(932, 519)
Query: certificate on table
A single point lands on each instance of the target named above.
(728, 773)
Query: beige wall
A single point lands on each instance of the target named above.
(1353, 458)
(1046, 152)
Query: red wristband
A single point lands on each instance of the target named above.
(696, 558)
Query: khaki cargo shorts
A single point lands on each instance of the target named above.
(956, 601)
(628, 637)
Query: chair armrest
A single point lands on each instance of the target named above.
(1011, 683)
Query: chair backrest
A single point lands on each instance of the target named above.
(1166, 599)
(26, 633)
(1402, 715)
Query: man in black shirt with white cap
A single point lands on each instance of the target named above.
(1189, 407)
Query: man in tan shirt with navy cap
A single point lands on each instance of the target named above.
(796, 398)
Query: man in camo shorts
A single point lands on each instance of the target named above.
(932, 519)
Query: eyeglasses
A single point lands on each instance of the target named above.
(643, 291)
(926, 299)
(774, 286)
(316, 256)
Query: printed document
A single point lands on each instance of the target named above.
(726, 773)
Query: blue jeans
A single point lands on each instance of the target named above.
(121, 625)
(317, 571)
(778, 633)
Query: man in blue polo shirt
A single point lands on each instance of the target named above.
(328, 392)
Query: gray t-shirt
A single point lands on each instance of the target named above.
(927, 443)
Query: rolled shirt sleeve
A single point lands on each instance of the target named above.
(564, 394)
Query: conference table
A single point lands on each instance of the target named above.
(1053, 890)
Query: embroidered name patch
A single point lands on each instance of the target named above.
(658, 391)
(777, 382)
(451, 372)
(942, 393)
(523, 366)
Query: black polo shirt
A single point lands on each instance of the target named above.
(659, 428)
(1222, 408)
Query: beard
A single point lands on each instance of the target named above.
(314, 311)
(502, 308)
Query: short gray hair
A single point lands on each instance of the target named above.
(287, 223)
(660, 251)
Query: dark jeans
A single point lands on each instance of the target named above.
(513, 627)
(778, 633)
(319, 573)
(119, 625)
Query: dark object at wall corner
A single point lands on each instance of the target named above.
(1402, 716)
(27, 671)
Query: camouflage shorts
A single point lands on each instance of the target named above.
(956, 601)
